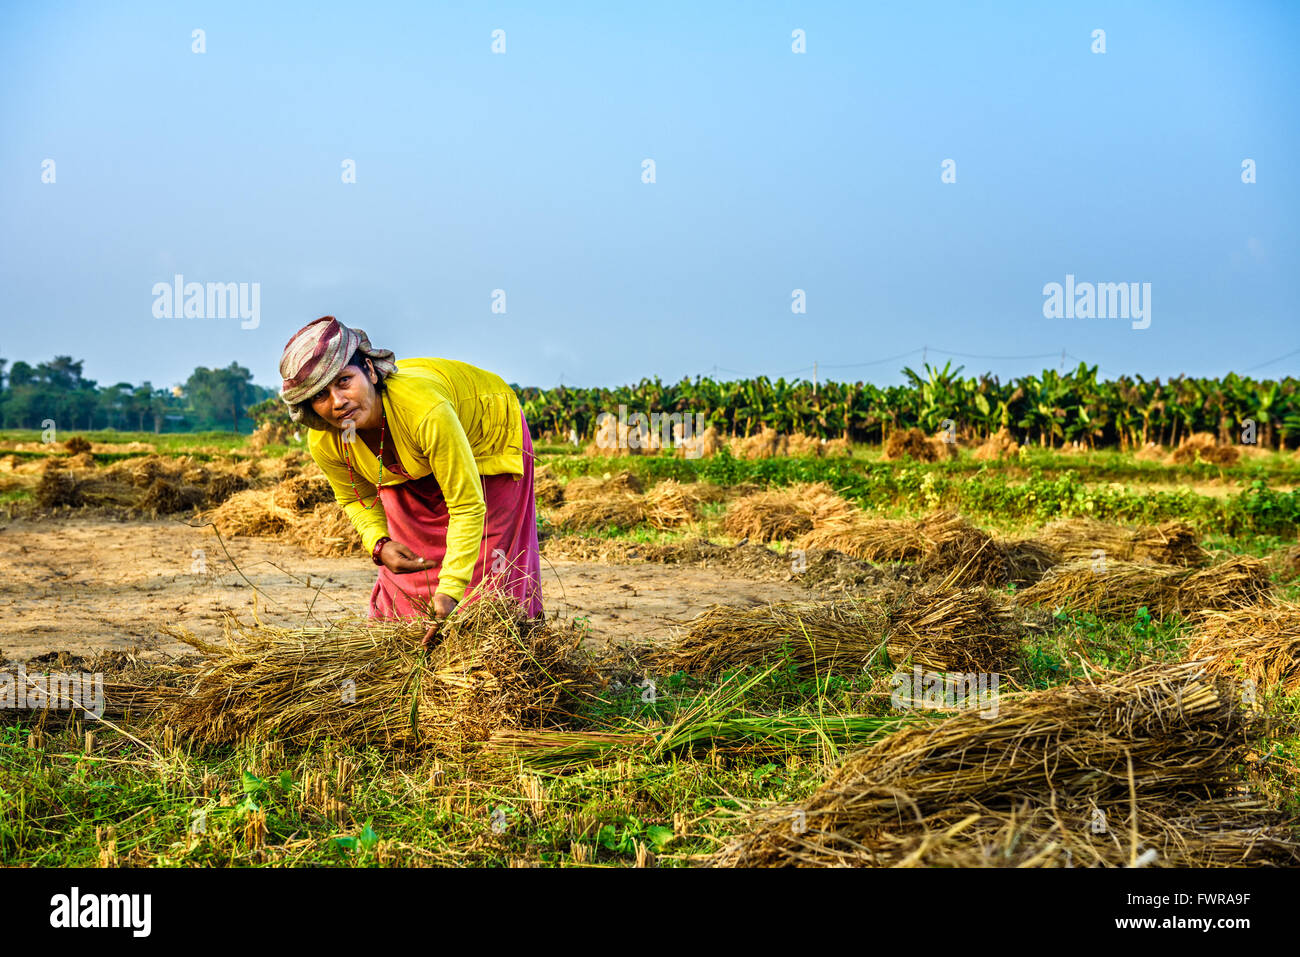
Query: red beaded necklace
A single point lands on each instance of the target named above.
(379, 458)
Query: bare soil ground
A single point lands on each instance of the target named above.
(88, 584)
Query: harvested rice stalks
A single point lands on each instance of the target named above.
(846, 632)
(1000, 445)
(766, 444)
(1122, 588)
(326, 532)
(253, 512)
(590, 486)
(783, 513)
(967, 630)
(964, 630)
(1054, 781)
(962, 553)
(546, 489)
(63, 486)
(706, 444)
(1204, 447)
(868, 539)
(1169, 543)
(1259, 644)
(911, 443)
(369, 681)
(613, 511)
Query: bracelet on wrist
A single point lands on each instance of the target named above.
(379, 547)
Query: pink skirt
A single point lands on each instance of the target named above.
(509, 560)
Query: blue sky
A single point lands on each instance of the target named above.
(775, 171)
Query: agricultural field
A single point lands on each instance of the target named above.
(776, 650)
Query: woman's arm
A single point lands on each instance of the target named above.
(371, 523)
(441, 437)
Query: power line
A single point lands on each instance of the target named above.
(873, 362)
(971, 355)
(967, 355)
(1271, 361)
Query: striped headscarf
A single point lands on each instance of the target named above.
(314, 357)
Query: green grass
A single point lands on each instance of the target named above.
(677, 795)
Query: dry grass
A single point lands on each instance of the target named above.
(591, 514)
(942, 543)
(868, 539)
(948, 629)
(590, 486)
(670, 504)
(369, 682)
(964, 629)
(1122, 588)
(784, 513)
(1150, 755)
(60, 486)
(910, 443)
(1203, 447)
(1000, 445)
(1260, 643)
(766, 444)
(546, 488)
(1169, 543)
(707, 443)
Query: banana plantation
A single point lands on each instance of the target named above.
(1050, 409)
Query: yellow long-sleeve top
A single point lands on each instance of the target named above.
(448, 419)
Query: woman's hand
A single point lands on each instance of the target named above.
(443, 605)
(400, 560)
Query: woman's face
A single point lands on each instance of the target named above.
(351, 397)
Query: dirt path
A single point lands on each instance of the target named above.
(85, 584)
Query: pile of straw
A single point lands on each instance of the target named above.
(844, 633)
(999, 445)
(670, 504)
(611, 511)
(269, 433)
(1150, 452)
(784, 513)
(948, 629)
(590, 486)
(767, 444)
(60, 486)
(942, 543)
(1149, 755)
(868, 539)
(707, 443)
(1203, 447)
(962, 553)
(1122, 588)
(546, 488)
(301, 509)
(368, 681)
(1169, 543)
(910, 443)
(962, 629)
(1260, 643)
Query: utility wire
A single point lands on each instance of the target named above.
(1271, 361)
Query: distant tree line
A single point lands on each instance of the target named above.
(1049, 409)
(209, 400)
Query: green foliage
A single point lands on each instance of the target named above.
(56, 391)
(1049, 409)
